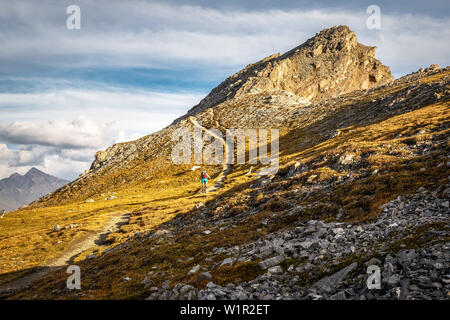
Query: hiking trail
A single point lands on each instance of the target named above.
(92, 240)
(226, 168)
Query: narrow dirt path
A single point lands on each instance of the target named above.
(226, 168)
(92, 240)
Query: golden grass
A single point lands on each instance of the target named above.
(27, 238)
(384, 144)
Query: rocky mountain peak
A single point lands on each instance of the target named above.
(339, 38)
(34, 172)
(18, 190)
(330, 64)
(15, 175)
(327, 65)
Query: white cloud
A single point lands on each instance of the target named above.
(123, 136)
(149, 34)
(5, 153)
(80, 155)
(83, 122)
(79, 133)
(63, 167)
(19, 157)
(108, 98)
(133, 112)
(6, 170)
(63, 163)
(30, 156)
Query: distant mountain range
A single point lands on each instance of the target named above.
(19, 190)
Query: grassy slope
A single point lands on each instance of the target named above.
(27, 239)
(375, 146)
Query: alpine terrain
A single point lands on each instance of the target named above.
(18, 190)
(363, 180)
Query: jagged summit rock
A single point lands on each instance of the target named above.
(34, 172)
(329, 64)
(302, 88)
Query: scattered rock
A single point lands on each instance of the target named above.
(227, 262)
(331, 282)
(271, 262)
(205, 276)
(199, 205)
(194, 270)
(275, 270)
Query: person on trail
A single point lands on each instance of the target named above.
(204, 177)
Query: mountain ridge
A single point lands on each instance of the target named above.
(363, 180)
(329, 64)
(304, 70)
(18, 190)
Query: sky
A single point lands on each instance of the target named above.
(135, 66)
